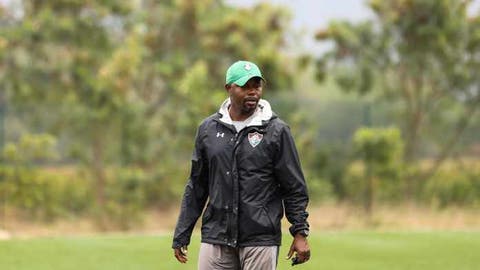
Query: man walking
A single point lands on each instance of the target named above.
(245, 168)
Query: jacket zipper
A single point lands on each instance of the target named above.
(239, 136)
(233, 210)
(232, 227)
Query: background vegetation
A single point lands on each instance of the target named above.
(99, 103)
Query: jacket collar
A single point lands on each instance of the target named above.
(262, 114)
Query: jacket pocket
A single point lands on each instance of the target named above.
(207, 215)
(254, 221)
(270, 222)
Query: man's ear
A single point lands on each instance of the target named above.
(227, 87)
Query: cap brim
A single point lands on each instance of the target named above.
(243, 80)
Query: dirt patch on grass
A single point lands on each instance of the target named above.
(403, 217)
(325, 217)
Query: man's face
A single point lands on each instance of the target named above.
(246, 97)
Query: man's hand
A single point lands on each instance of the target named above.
(300, 246)
(181, 254)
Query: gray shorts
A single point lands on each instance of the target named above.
(218, 257)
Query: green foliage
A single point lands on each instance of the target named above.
(418, 55)
(120, 86)
(385, 188)
(31, 148)
(319, 189)
(40, 194)
(326, 172)
(127, 82)
(380, 149)
(126, 197)
(378, 146)
(43, 196)
(453, 186)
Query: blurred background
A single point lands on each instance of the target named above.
(100, 100)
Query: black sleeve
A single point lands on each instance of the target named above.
(195, 196)
(292, 182)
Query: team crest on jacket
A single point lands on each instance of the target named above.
(254, 138)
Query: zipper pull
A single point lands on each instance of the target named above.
(234, 138)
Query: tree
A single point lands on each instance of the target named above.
(126, 83)
(420, 55)
(380, 150)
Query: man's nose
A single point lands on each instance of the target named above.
(252, 90)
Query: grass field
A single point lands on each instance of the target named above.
(330, 250)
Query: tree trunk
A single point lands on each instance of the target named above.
(3, 194)
(450, 145)
(98, 171)
(414, 120)
(3, 112)
(369, 189)
(413, 124)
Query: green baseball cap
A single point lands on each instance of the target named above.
(241, 71)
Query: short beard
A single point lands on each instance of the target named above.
(248, 110)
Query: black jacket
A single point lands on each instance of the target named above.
(249, 179)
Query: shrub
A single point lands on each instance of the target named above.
(380, 149)
(453, 186)
(126, 198)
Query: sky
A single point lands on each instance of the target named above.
(311, 15)
(308, 16)
(317, 13)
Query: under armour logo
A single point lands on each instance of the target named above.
(220, 134)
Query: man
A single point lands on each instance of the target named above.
(246, 166)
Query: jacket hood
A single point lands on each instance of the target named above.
(262, 114)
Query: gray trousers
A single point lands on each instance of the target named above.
(218, 257)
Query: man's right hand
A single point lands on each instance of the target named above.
(181, 254)
(300, 246)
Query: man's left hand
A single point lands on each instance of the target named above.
(300, 246)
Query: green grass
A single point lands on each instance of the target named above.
(338, 250)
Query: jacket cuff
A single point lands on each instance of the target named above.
(179, 244)
(298, 227)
